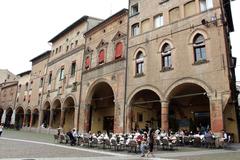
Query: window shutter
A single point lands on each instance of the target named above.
(87, 62)
(101, 56)
(118, 50)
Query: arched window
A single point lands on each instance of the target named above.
(199, 48)
(101, 57)
(139, 63)
(166, 56)
(118, 50)
(87, 62)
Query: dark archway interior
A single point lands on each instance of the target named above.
(189, 108)
(35, 118)
(1, 113)
(46, 115)
(28, 118)
(145, 110)
(9, 113)
(68, 122)
(102, 108)
(19, 117)
(56, 114)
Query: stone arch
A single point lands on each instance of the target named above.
(70, 96)
(100, 107)
(145, 87)
(9, 113)
(55, 100)
(164, 41)
(90, 89)
(46, 114)
(28, 114)
(19, 117)
(198, 82)
(137, 51)
(69, 112)
(35, 117)
(195, 32)
(56, 109)
(144, 108)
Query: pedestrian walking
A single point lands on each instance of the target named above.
(151, 142)
(1, 129)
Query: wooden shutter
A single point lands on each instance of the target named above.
(118, 50)
(87, 62)
(101, 56)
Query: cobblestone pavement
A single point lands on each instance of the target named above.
(18, 145)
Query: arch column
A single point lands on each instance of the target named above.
(40, 121)
(164, 115)
(76, 116)
(86, 115)
(13, 117)
(129, 115)
(118, 117)
(24, 119)
(31, 119)
(62, 117)
(51, 118)
(3, 117)
(216, 115)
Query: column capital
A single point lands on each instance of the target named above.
(164, 103)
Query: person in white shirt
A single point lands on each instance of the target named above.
(1, 130)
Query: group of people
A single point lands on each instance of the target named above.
(144, 138)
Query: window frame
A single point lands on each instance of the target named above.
(139, 64)
(133, 8)
(199, 49)
(161, 20)
(73, 70)
(134, 31)
(166, 54)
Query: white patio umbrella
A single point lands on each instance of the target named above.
(3, 117)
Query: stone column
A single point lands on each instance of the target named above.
(31, 120)
(86, 118)
(216, 115)
(129, 116)
(3, 117)
(24, 119)
(40, 118)
(13, 117)
(118, 117)
(164, 115)
(62, 118)
(76, 117)
(51, 118)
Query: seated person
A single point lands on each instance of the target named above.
(72, 138)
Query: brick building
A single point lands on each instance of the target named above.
(165, 63)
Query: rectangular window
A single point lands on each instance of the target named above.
(56, 50)
(134, 9)
(50, 78)
(135, 29)
(174, 15)
(158, 21)
(73, 69)
(39, 98)
(145, 26)
(205, 5)
(200, 53)
(61, 77)
(140, 66)
(41, 82)
(60, 48)
(189, 9)
(76, 43)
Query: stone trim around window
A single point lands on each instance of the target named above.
(199, 62)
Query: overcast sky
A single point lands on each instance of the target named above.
(28, 25)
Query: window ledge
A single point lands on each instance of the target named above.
(133, 15)
(199, 62)
(166, 69)
(139, 75)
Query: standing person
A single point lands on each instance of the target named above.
(143, 144)
(151, 142)
(1, 130)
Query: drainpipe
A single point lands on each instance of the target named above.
(126, 75)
